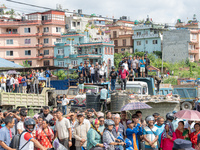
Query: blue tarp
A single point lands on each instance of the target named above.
(63, 84)
(8, 64)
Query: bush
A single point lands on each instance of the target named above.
(170, 80)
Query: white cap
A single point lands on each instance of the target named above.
(117, 116)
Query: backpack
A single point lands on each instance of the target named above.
(15, 142)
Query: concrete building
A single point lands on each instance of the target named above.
(175, 45)
(194, 39)
(147, 38)
(76, 48)
(32, 38)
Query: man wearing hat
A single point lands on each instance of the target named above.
(80, 132)
(180, 144)
(132, 133)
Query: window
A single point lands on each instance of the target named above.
(99, 50)
(74, 24)
(124, 42)
(194, 36)
(74, 62)
(114, 34)
(9, 53)
(116, 50)
(61, 63)
(116, 42)
(27, 52)
(27, 30)
(155, 32)
(30, 63)
(27, 41)
(46, 52)
(61, 51)
(9, 41)
(58, 40)
(14, 30)
(146, 41)
(46, 29)
(46, 40)
(44, 17)
(111, 51)
(106, 50)
(78, 23)
(58, 29)
(138, 42)
(46, 62)
(138, 33)
(155, 41)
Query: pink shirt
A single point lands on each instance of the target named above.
(166, 143)
(123, 73)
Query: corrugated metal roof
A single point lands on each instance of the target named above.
(8, 64)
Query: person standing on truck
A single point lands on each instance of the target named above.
(104, 96)
(3, 83)
(147, 64)
(113, 77)
(105, 67)
(87, 73)
(196, 103)
(48, 75)
(138, 69)
(97, 67)
(81, 83)
(131, 75)
(92, 74)
(134, 65)
(130, 62)
(142, 67)
(123, 73)
(24, 84)
(80, 69)
(65, 102)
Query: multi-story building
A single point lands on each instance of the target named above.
(76, 48)
(147, 38)
(194, 42)
(32, 38)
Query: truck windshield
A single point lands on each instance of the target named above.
(90, 88)
(73, 91)
(134, 90)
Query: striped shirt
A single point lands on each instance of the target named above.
(150, 135)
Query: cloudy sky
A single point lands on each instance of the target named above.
(161, 11)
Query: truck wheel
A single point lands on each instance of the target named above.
(186, 105)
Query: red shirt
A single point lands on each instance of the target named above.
(43, 139)
(19, 79)
(123, 73)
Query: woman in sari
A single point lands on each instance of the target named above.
(181, 132)
(194, 136)
(94, 139)
(167, 138)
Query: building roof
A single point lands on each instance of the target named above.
(129, 22)
(8, 64)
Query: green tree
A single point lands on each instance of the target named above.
(25, 64)
(62, 74)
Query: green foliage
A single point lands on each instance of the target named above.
(25, 64)
(62, 74)
(158, 54)
(73, 76)
(170, 80)
(92, 26)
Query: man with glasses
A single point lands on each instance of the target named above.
(118, 128)
(123, 73)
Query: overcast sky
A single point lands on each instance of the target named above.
(161, 11)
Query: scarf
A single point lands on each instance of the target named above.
(94, 122)
(170, 133)
(134, 142)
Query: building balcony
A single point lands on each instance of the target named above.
(73, 55)
(145, 36)
(38, 34)
(59, 44)
(107, 31)
(40, 56)
(39, 45)
(141, 27)
(192, 51)
(60, 56)
(90, 55)
(9, 34)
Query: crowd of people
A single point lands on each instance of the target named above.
(128, 69)
(93, 130)
(30, 82)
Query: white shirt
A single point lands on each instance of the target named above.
(12, 81)
(65, 101)
(125, 66)
(104, 66)
(101, 71)
(92, 70)
(26, 136)
(62, 128)
(20, 125)
(3, 80)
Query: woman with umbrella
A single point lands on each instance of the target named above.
(194, 136)
(167, 138)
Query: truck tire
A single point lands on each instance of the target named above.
(186, 105)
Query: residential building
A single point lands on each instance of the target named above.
(194, 39)
(176, 45)
(76, 48)
(147, 38)
(32, 38)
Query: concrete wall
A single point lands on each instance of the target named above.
(175, 45)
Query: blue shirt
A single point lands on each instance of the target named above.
(137, 131)
(24, 84)
(47, 72)
(101, 128)
(160, 131)
(150, 135)
(5, 137)
(80, 68)
(103, 94)
(141, 61)
(89, 65)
